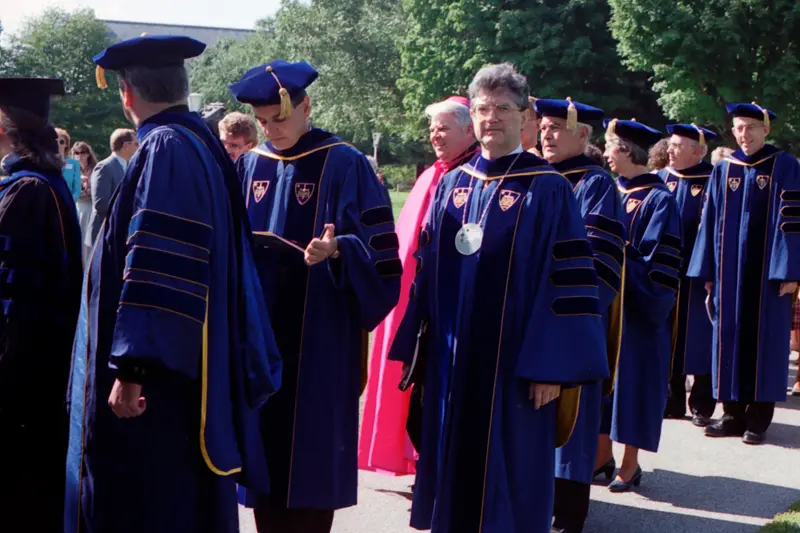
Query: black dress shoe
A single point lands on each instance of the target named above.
(607, 469)
(751, 437)
(725, 427)
(701, 421)
(624, 486)
(674, 415)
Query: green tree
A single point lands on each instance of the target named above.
(353, 45)
(564, 49)
(705, 54)
(61, 44)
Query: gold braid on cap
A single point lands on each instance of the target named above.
(612, 127)
(763, 112)
(702, 136)
(572, 115)
(286, 100)
(100, 77)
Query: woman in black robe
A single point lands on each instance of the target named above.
(40, 280)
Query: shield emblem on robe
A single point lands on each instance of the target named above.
(507, 199)
(762, 181)
(696, 189)
(303, 192)
(632, 204)
(734, 183)
(460, 195)
(671, 186)
(260, 190)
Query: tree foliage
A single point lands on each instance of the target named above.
(61, 45)
(563, 47)
(705, 54)
(353, 45)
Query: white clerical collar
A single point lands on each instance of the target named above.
(517, 150)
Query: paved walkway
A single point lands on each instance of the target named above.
(693, 485)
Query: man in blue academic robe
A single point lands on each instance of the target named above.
(748, 254)
(173, 353)
(652, 276)
(565, 132)
(687, 176)
(330, 271)
(507, 283)
(40, 285)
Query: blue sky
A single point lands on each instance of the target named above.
(236, 14)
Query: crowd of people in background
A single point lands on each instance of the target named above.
(528, 307)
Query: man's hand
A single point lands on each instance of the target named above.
(320, 249)
(126, 399)
(709, 286)
(788, 287)
(541, 394)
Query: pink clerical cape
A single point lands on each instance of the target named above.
(384, 445)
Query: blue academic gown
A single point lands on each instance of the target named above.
(747, 245)
(523, 309)
(171, 299)
(601, 209)
(40, 283)
(652, 278)
(321, 313)
(691, 350)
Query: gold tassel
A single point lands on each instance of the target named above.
(701, 134)
(286, 99)
(286, 103)
(763, 112)
(572, 115)
(100, 77)
(612, 126)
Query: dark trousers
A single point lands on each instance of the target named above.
(571, 505)
(271, 518)
(701, 398)
(753, 416)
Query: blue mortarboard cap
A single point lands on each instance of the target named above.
(752, 110)
(30, 94)
(276, 82)
(147, 51)
(572, 111)
(692, 131)
(636, 132)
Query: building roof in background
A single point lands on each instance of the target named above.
(122, 30)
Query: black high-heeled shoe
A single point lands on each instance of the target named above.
(607, 469)
(624, 486)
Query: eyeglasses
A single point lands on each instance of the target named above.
(62, 141)
(501, 110)
(81, 152)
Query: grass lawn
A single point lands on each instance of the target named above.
(398, 199)
(788, 522)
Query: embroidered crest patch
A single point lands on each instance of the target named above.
(762, 181)
(460, 196)
(260, 190)
(696, 189)
(507, 199)
(734, 183)
(671, 185)
(632, 204)
(303, 192)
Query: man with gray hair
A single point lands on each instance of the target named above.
(506, 281)
(106, 177)
(163, 414)
(565, 134)
(687, 176)
(385, 429)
